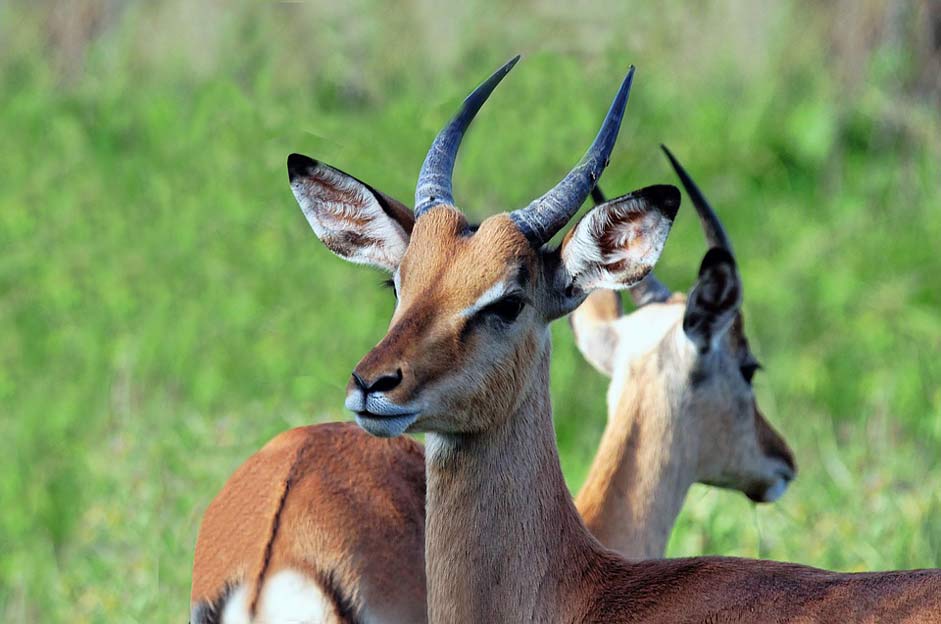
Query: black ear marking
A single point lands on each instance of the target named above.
(300, 165)
(715, 299)
(662, 197)
(718, 284)
(715, 257)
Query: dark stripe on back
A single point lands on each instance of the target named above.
(342, 605)
(275, 525)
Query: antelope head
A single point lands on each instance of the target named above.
(474, 302)
(696, 346)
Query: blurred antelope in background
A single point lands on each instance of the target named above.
(681, 408)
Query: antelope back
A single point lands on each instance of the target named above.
(280, 541)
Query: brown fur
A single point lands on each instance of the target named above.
(425, 338)
(225, 562)
(324, 526)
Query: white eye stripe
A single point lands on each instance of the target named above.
(494, 293)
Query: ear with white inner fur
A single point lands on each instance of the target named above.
(617, 243)
(354, 220)
(714, 301)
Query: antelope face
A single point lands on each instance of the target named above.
(474, 303)
(472, 312)
(738, 447)
(466, 322)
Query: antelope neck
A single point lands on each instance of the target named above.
(643, 469)
(503, 541)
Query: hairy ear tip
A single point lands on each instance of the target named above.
(716, 257)
(300, 165)
(663, 197)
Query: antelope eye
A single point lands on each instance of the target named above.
(390, 284)
(506, 309)
(748, 371)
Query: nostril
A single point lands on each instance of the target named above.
(386, 382)
(360, 382)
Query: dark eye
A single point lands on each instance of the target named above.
(506, 309)
(748, 371)
(390, 283)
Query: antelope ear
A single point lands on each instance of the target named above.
(714, 301)
(617, 243)
(593, 325)
(354, 220)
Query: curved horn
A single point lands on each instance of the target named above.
(715, 233)
(647, 290)
(541, 219)
(434, 180)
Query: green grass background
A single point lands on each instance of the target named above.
(165, 309)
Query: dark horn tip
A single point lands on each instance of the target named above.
(629, 78)
(666, 150)
(712, 226)
(680, 171)
(501, 73)
(300, 165)
(625, 89)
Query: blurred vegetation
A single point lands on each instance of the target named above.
(165, 309)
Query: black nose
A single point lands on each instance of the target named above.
(383, 383)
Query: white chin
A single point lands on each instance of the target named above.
(776, 491)
(386, 426)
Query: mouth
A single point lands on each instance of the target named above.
(385, 426)
(774, 491)
(379, 416)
